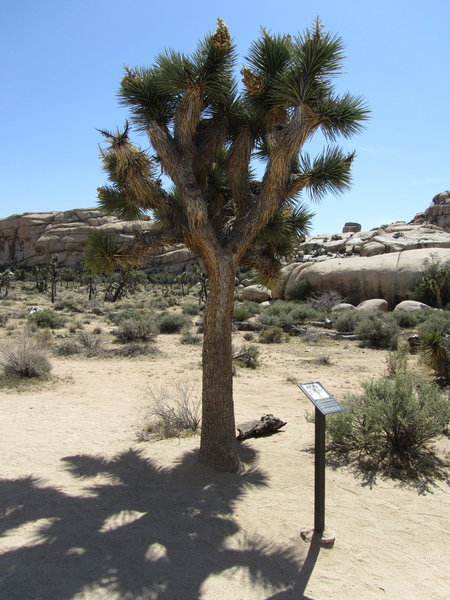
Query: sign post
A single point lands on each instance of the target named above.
(325, 404)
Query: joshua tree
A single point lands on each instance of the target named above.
(206, 134)
(6, 277)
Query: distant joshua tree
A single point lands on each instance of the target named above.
(206, 134)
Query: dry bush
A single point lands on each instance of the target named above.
(88, 341)
(174, 411)
(27, 358)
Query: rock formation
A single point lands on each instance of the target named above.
(31, 239)
(385, 262)
(438, 213)
(390, 276)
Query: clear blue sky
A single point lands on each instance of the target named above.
(61, 64)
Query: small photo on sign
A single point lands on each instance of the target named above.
(316, 391)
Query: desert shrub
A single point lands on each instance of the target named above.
(405, 320)
(46, 318)
(268, 320)
(241, 312)
(160, 303)
(325, 300)
(248, 336)
(288, 314)
(376, 331)
(297, 290)
(135, 349)
(95, 308)
(323, 360)
(67, 348)
(172, 322)
(87, 340)
(190, 308)
(27, 358)
(142, 328)
(189, 337)
(397, 360)
(3, 319)
(435, 319)
(174, 410)
(347, 320)
(244, 310)
(126, 314)
(43, 337)
(272, 335)
(247, 356)
(304, 312)
(393, 418)
(97, 331)
(68, 305)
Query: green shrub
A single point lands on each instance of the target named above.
(161, 303)
(376, 331)
(268, 320)
(304, 312)
(297, 290)
(190, 308)
(247, 356)
(241, 312)
(288, 313)
(126, 314)
(46, 318)
(142, 329)
(393, 418)
(172, 322)
(406, 320)
(435, 319)
(272, 335)
(27, 359)
(347, 320)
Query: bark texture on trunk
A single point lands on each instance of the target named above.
(218, 446)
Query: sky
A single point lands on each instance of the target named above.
(62, 61)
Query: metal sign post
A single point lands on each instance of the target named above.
(325, 404)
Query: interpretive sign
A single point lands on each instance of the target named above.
(325, 404)
(321, 398)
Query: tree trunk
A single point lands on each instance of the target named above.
(218, 446)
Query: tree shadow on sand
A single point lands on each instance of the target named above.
(147, 532)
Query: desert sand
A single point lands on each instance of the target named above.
(88, 512)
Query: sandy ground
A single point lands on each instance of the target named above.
(89, 513)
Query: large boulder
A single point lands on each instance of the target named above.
(411, 306)
(373, 305)
(390, 276)
(256, 293)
